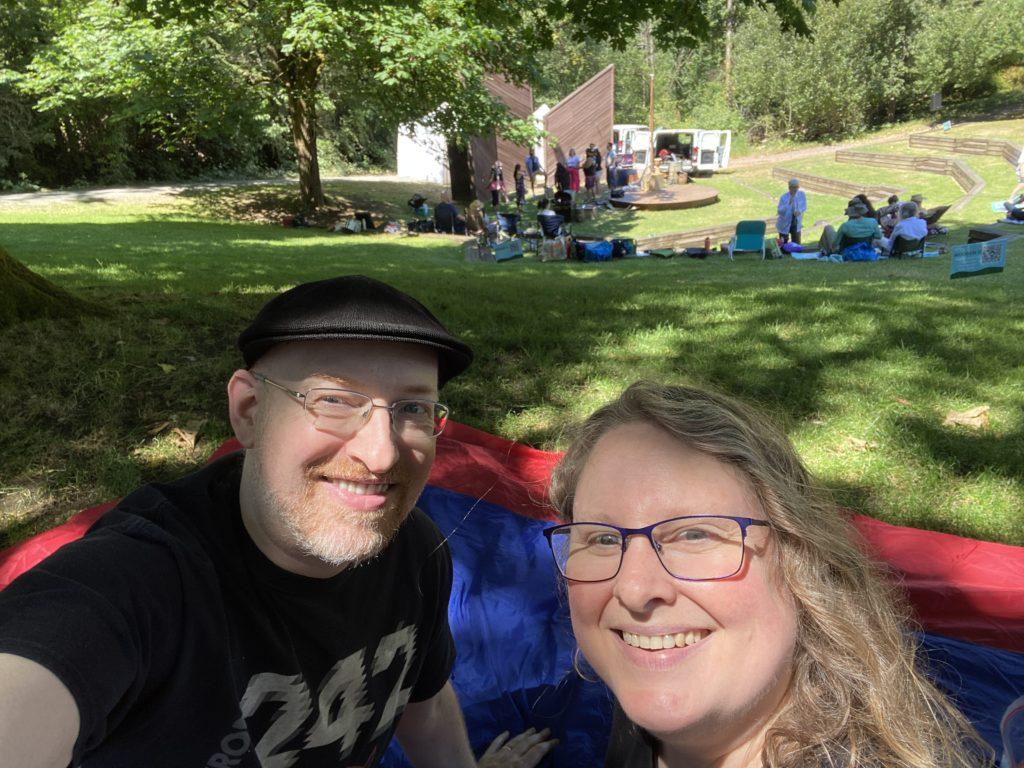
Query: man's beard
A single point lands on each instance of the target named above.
(329, 532)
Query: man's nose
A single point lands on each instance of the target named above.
(375, 444)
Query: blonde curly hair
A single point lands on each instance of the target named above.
(857, 698)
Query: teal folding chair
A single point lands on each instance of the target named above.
(749, 238)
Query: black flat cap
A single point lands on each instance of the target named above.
(352, 307)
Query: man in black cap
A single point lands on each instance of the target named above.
(283, 606)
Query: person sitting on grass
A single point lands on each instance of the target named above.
(447, 218)
(1015, 208)
(863, 200)
(910, 227)
(889, 214)
(476, 218)
(856, 229)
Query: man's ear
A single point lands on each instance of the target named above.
(243, 406)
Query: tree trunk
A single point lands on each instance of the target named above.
(300, 76)
(303, 124)
(24, 295)
(730, 26)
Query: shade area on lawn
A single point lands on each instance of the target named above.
(861, 363)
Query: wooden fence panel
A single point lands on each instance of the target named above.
(835, 186)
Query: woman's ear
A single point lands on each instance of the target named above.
(243, 406)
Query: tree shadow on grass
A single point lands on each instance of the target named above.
(966, 452)
(553, 341)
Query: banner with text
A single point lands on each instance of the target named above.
(978, 258)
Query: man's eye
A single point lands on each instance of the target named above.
(335, 401)
(416, 408)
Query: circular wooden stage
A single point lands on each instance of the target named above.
(670, 198)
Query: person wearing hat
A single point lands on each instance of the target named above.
(791, 209)
(286, 605)
(858, 228)
(918, 200)
(910, 227)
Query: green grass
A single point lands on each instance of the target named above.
(858, 362)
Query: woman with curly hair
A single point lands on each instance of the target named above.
(729, 606)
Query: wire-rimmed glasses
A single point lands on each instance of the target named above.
(344, 412)
(690, 548)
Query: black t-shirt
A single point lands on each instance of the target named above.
(629, 745)
(183, 645)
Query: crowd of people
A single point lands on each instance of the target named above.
(865, 226)
(567, 192)
(726, 603)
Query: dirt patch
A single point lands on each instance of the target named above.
(274, 206)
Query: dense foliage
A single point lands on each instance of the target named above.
(865, 63)
(107, 91)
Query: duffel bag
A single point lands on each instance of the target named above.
(599, 251)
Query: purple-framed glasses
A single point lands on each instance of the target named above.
(690, 548)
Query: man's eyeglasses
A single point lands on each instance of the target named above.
(344, 412)
(692, 548)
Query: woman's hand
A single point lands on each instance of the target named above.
(522, 751)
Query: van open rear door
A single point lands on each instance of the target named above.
(714, 150)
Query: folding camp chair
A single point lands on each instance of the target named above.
(749, 238)
(550, 226)
(932, 215)
(907, 248)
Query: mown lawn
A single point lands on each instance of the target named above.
(859, 362)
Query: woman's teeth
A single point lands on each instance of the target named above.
(661, 642)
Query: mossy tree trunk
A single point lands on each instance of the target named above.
(24, 295)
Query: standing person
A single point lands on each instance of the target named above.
(590, 173)
(520, 181)
(791, 209)
(1020, 180)
(691, 535)
(284, 605)
(563, 179)
(496, 184)
(572, 163)
(611, 164)
(533, 168)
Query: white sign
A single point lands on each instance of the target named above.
(978, 258)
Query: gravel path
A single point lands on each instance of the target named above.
(753, 161)
(158, 193)
(155, 193)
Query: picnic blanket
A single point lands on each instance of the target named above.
(511, 625)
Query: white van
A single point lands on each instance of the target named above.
(624, 139)
(701, 151)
